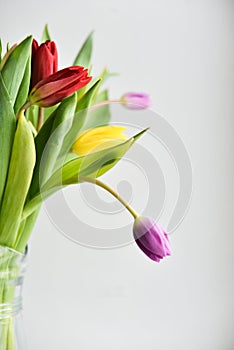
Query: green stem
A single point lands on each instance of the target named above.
(23, 108)
(103, 103)
(40, 118)
(112, 192)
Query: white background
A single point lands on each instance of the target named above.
(181, 52)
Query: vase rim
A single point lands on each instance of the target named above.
(14, 251)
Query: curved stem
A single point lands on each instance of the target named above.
(40, 118)
(23, 108)
(112, 192)
(103, 103)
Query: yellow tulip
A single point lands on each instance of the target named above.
(96, 139)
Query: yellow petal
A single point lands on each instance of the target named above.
(102, 137)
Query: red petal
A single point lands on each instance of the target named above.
(63, 93)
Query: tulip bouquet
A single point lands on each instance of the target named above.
(54, 132)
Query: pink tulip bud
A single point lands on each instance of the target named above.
(151, 238)
(44, 61)
(136, 100)
(56, 87)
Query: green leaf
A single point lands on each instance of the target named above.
(102, 164)
(18, 181)
(25, 230)
(100, 115)
(104, 76)
(13, 71)
(7, 130)
(32, 115)
(61, 125)
(49, 110)
(60, 120)
(40, 143)
(45, 34)
(92, 165)
(86, 100)
(141, 133)
(84, 56)
(0, 50)
(79, 120)
(24, 88)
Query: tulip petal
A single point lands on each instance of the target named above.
(44, 61)
(136, 100)
(59, 85)
(99, 138)
(151, 238)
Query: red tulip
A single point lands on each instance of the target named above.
(56, 87)
(44, 61)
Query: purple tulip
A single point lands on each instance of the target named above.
(136, 100)
(151, 238)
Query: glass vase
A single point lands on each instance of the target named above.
(12, 268)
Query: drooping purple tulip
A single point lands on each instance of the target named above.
(136, 100)
(151, 238)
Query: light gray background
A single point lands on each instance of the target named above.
(181, 52)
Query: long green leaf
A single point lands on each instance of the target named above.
(25, 231)
(101, 115)
(40, 144)
(93, 165)
(87, 165)
(58, 124)
(79, 120)
(84, 55)
(61, 125)
(32, 115)
(70, 173)
(13, 71)
(98, 164)
(24, 88)
(7, 130)
(49, 110)
(18, 181)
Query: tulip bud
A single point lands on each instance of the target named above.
(56, 87)
(135, 100)
(99, 138)
(44, 61)
(151, 238)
